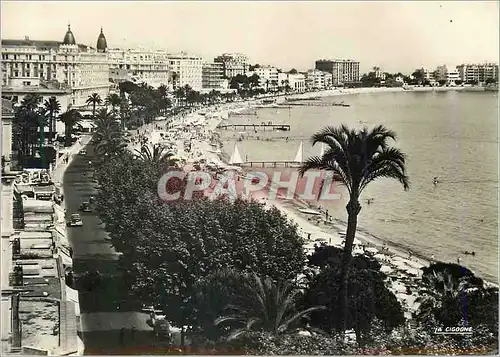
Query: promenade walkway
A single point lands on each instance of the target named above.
(107, 308)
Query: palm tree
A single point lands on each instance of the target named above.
(265, 305)
(70, 118)
(156, 155)
(94, 99)
(31, 102)
(113, 100)
(108, 137)
(52, 108)
(356, 158)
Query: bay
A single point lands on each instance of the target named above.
(450, 135)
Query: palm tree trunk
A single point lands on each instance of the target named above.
(353, 208)
(67, 136)
(182, 336)
(93, 109)
(50, 128)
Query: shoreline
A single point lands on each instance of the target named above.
(401, 264)
(337, 225)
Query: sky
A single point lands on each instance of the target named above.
(396, 36)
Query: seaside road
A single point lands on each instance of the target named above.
(107, 308)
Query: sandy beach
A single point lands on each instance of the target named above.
(194, 140)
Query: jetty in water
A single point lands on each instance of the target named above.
(242, 114)
(255, 127)
(315, 104)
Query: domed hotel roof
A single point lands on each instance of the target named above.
(101, 42)
(69, 39)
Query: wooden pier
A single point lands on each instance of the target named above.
(255, 127)
(234, 114)
(270, 164)
(319, 104)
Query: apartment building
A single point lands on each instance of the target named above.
(212, 75)
(233, 63)
(379, 73)
(343, 71)
(316, 79)
(478, 72)
(268, 77)
(139, 66)
(186, 69)
(78, 68)
(452, 77)
(295, 82)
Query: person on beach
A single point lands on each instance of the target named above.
(122, 335)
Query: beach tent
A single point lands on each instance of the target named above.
(299, 157)
(235, 157)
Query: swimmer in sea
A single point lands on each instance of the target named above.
(435, 181)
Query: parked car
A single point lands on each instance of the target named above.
(83, 152)
(75, 220)
(85, 207)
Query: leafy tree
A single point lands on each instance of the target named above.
(94, 99)
(28, 127)
(128, 87)
(452, 295)
(369, 298)
(356, 158)
(418, 76)
(52, 108)
(70, 118)
(293, 71)
(291, 344)
(266, 306)
(442, 82)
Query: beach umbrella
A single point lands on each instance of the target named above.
(385, 269)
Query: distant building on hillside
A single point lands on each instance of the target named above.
(343, 71)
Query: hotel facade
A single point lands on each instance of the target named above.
(343, 71)
(139, 66)
(479, 73)
(186, 70)
(67, 66)
(234, 64)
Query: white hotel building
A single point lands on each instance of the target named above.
(74, 68)
(139, 66)
(186, 69)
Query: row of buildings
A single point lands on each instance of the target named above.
(73, 70)
(39, 311)
(478, 73)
